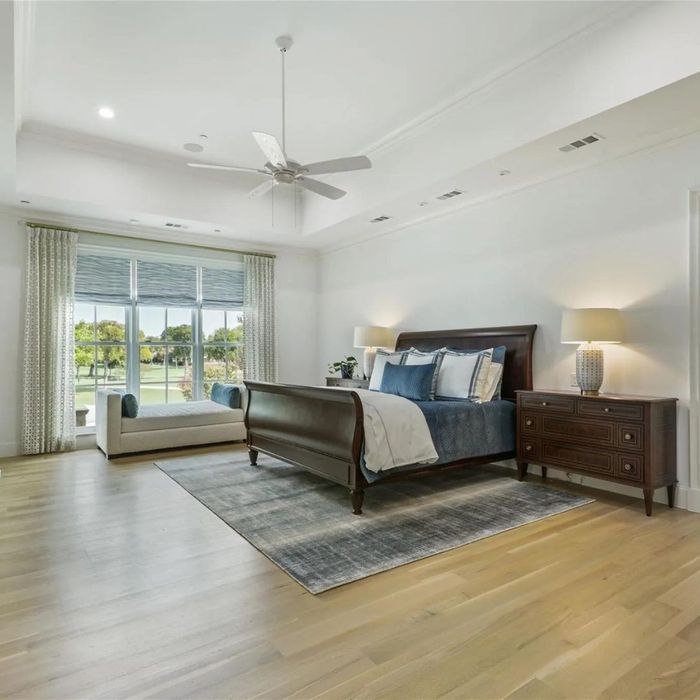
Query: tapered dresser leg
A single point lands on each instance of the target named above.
(671, 490)
(544, 473)
(357, 496)
(648, 500)
(253, 455)
(522, 470)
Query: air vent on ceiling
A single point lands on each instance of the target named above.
(378, 219)
(450, 194)
(580, 143)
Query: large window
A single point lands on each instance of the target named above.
(100, 354)
(222, 335)
(183, 322)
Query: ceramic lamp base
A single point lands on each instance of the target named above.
(369, 357)
(589, 369)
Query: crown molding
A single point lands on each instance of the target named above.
(467, 94)
(25, 214)
(512, 191)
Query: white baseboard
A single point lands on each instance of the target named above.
(9, 449)
(689, 498)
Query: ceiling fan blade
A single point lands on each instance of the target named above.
(270, 146)
(338, 165)
(234, 168)
(262, 189)
(322, 188)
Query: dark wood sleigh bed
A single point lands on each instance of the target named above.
(321, 430)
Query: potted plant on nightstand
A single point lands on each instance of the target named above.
(346, 367)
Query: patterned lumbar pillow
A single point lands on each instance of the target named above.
(463, 375)
(130, 406)
(383, 357)
(226, 394)
(411, 382)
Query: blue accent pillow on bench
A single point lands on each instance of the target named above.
(410, 381)
(130, 406)
(226, 394)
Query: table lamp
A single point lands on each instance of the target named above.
(370, 338)
(589, 328)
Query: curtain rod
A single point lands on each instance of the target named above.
(34, 224)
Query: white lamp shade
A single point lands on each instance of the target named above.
(371, 337)
(591, 325)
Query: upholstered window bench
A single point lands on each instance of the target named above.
(162, 426)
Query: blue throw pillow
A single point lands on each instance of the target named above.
(130, 406)
(226, 394)
(410, 381)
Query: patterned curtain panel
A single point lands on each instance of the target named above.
(260, 338)
(49, 412)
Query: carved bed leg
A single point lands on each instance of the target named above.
(357, 496)
(253, 454)
(522, 470)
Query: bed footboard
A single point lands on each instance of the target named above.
(312, 427)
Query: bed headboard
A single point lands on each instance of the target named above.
(517, 371)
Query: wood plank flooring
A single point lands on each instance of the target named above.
(116, 583)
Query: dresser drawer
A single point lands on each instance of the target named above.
(530, 423)
(547, 402)
(592, 432)
(630, 437)
(583, 459)
(529, 449)
(609, 409)
(630, 467)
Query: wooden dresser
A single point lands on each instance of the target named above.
(347, 383)
(627, 439)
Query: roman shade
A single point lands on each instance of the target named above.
(222, 288)
(103, 279)
(166, 284)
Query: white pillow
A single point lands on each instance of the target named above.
(463, 375)
(494, 376)
(418, 357)
(394, 358)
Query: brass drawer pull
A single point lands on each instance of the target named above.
(544, 403)
(528, 422)
(528, 448)
(627, 467)
(628, 436)
(606, 410)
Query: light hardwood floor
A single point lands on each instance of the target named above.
(115, 582)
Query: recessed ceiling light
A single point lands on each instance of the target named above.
(24, 201)
(106, 112)
(193, 147)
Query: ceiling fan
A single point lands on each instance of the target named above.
(281, 170)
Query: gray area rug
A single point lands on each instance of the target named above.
(304, 524)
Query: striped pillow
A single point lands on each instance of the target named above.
(463, 375)
(382, 357)
(417, 357)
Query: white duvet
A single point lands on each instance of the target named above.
(396, 432)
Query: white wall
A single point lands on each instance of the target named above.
(12, 255)
(296, 275)
(613, 235)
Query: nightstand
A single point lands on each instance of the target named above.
(626, 439)
(348, 383)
